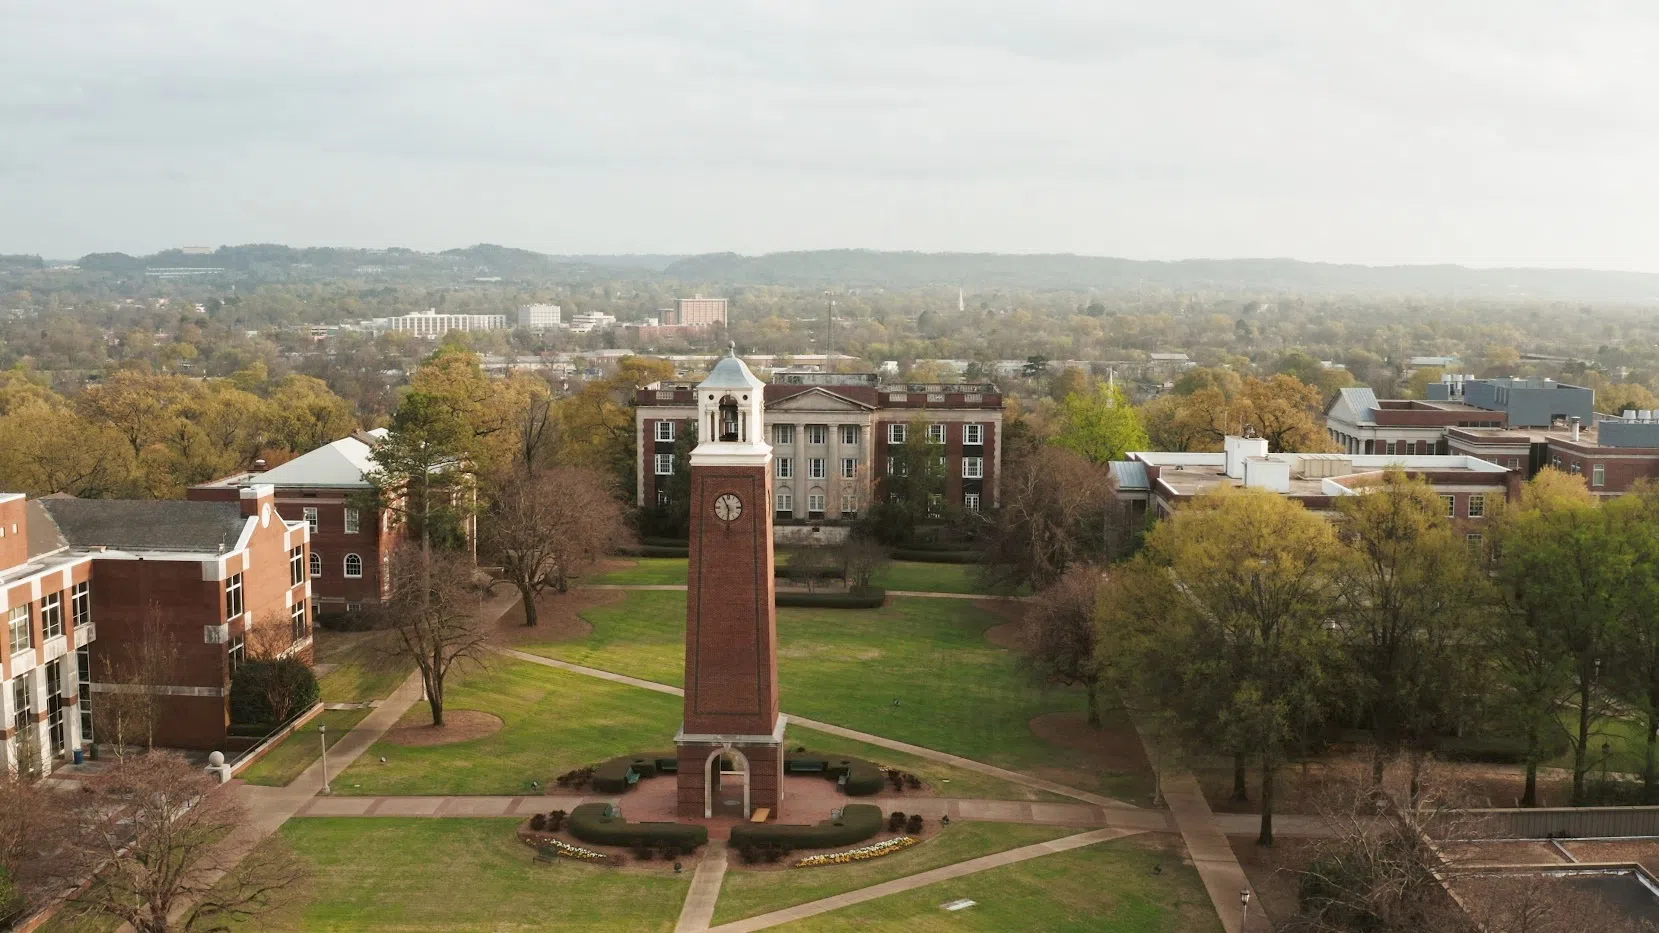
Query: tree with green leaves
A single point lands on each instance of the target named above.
(1100, 424)
(913, 491)
(1226, 609)
(421, 469)
(1410, 592)
(1634, 675)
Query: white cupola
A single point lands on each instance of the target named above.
(731, 405)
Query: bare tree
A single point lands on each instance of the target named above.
(1060, 633)
(33, 822)
(1054, 514)
(862, 557)
(159, 837)
(547, 525)
(434, 616)
(127, 711)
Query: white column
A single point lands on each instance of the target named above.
(8, 712)
(71, 679)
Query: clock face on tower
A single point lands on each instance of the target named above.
(728, 507)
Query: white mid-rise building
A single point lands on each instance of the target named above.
(539, 317)
(430, 323)
(584, 321)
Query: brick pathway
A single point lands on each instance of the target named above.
(912, 882)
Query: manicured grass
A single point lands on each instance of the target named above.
(932, 578)
(642, 635)
(954, 690)
(1104, 888)
(653, 571)
(295, 753)
(553, 721)
(945, 780)
(463, 874)
(747, 893)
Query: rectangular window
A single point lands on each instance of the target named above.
(51, 616)
(1477, 506)
(785, 467)
(783, 434)
(311, 518)
(665, 464)
(895, 433)
(1598, 475)
(815, 505)
(817, 434)
(1474, 540)
(233, 597)
(665, 430)
(1450, 502)
(1390, 450)
(23, 709)
(1574, 468)
(973, 434)
(935, 434)
(785, 505)
(849, 434)
(20, 630)
(1555, 462)
(80, 603)
(973, 467)
(1514, 463)
(662, 497)
(297, 619)
(351, 521)
(817, 468)
(296, 566)
(54, 707)
(83, 669)
(970, 501)
(238, 652)
(934, 503)
(849, 506)
(849, 467)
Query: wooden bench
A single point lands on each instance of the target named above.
(761, 815)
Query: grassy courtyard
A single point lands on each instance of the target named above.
(913, 576)
(1104, 888)
(462, 874)
(553, 721)
(748, 893)
(357, 668)
(917, 670)
(646, 571)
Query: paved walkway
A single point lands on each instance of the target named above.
(1211, 854)
(912, 882)
(955, 761)
(698, 911)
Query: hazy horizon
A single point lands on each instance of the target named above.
(1416, 134)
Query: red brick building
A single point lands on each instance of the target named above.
(830, 434)
(90, 581)
(328, 490)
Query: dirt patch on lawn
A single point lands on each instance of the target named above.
(1113, 746)
(1301, 787)
(1010, 635)
(558, 617)
(1274, 873)
(460, 725)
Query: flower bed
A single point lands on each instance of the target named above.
(861, 854)
(553, 847)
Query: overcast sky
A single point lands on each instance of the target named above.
(1519, 131)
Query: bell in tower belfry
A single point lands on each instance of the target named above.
(728, 419)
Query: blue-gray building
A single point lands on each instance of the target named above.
(1529, 403)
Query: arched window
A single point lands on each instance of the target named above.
(316, 564)
(728, 419)
(354, 565)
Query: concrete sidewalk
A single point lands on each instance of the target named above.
(912, 882)
(698, 911)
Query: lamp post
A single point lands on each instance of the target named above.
(1606, 752)
(1244, 901)
(322, 736)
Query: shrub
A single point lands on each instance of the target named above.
(1493, 749)
(612, 776)
(555, 820)
(651, 550)
(936, 557)
(654, 541)
(894, 821)
(591, 822)
(11, 901)
(863, 778)
(260, 680)
(913, 826)
(868, 599)
(912, 781)
(858, 822)
(538, 823)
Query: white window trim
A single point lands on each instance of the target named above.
(665, 430)
(938, 429)
(786, 468)
(312, 520)
(970, 501)
(664, 464)
(849, 434)
(1598, 475)
(784, 501)
(345, 566)
(316, 568)
(817, 468)
(896, 433)
(849, 467)
(973, 434)
(352, 521)
(973, 467)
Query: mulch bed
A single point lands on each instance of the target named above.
(558, 617)
(1113, 747)
(460, 725)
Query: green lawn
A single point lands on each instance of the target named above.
(462, 874)
(362, 671)
(955, 691)
(553, 721)
(748, 893)
(946, 780)
(1104, 888)
(295, 753)
(655, 571)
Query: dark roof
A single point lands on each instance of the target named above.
(141, 524)
(44, 537)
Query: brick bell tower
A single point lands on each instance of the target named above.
(731, 740)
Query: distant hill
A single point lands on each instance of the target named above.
(870, 268)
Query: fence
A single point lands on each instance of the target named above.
(1567, 823)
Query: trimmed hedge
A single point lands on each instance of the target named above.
(863, 778)
(612, 776)
(936, 557)
(249, 703)
(650, 541)
(1494, 749)
(592, 822)
(872, 598)
(858, 822)
(652, 550)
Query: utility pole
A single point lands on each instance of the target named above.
(829, 334)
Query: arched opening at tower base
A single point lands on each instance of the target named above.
(727, 790)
